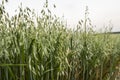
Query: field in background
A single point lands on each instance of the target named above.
(47, 50)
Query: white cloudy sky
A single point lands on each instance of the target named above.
(101, 11)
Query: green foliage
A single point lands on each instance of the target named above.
(50, 51)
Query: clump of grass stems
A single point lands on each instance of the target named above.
(50, 51)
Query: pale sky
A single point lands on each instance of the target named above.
(101, 11)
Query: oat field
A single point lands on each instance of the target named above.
(34, 47)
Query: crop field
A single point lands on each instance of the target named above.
(36, 47)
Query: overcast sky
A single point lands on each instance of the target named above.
(101, 11)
